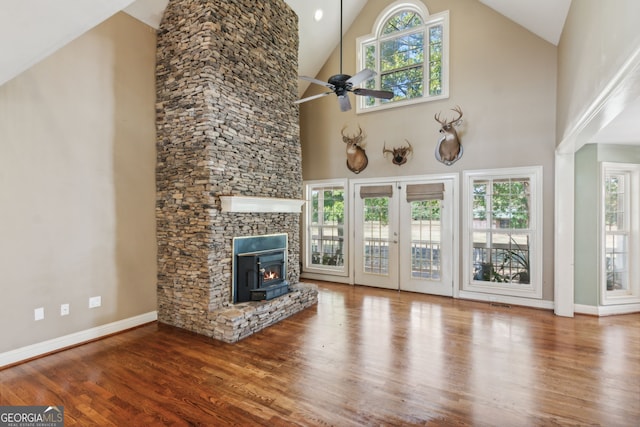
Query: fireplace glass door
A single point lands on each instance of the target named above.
(260, 275)
(271, 273)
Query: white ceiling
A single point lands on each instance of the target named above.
(542, 17)
(30, 30)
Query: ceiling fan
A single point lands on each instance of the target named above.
(342, 84)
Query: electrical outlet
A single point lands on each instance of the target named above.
(64, 309)
(38, 313)
(95, 302)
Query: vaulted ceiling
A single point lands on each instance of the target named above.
(319, 38)
(30, 30)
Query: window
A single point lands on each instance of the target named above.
(503, 232)
(620, 233)
(325, 228)
(408, 49)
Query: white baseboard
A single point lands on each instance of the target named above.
(38, 349)
(606, 310)
(585, 309)
(326, 278)
(503, 299)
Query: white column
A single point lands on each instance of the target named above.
(563, 236)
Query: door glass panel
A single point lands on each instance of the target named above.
(425, 239)
(376, 235)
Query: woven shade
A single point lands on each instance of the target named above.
(372, 191)
(420, 192)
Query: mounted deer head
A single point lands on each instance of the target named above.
(449, 149)
(357, 159)
(399, 154)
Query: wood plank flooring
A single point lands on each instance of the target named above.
(361, 357)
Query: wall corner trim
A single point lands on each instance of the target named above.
(34, 350)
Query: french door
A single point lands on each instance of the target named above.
(376, 235)
(404, 235)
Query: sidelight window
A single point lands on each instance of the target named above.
(325, 228)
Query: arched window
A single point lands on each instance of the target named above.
(408, 49)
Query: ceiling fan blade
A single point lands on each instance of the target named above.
(361, 76)
(375, 93)
(345, 104)
(310, 98)
(316, 81)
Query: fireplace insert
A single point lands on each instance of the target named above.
(260, 275)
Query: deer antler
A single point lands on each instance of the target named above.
(454, 121)
(459, 111)
(437, 117)
(410, 148)
(355, 138)
(385, 150)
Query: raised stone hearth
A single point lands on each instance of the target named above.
(237, 322)
(226, 78)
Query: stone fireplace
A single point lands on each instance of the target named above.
(226, 78)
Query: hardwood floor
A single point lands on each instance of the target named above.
(362, 356)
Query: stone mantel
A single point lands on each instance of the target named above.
(260, 204)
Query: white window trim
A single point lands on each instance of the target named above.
(420, 8)
(534, 290)
(632, 295)
(308, 267)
